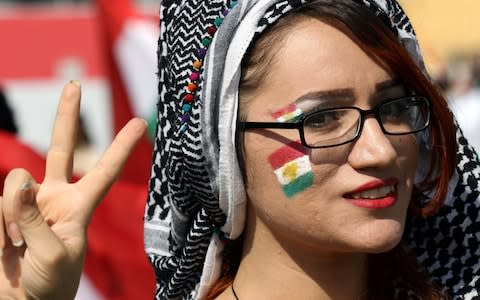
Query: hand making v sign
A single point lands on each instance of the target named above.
(43, 226)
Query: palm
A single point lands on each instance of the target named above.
(49, 265)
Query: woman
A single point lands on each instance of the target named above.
(311, 231)
(359, 153)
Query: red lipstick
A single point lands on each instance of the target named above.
(381, 202)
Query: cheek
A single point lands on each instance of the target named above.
(257, 169)
(331, 156)
(408, 152)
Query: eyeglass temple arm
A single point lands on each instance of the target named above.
(264, 125)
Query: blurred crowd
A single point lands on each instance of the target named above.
(459, 78)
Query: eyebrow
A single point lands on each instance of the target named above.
(387, 84)
(347, 93)
(337, 94)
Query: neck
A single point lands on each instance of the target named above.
(272, 268)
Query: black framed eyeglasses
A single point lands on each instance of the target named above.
(337, 126)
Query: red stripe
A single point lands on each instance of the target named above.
(286, 154)
(291, 108)
(113, 17)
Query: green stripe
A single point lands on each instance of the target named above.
(295, 119)
(152, 125)
(298, 185)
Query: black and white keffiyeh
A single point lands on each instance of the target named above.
(196, 193)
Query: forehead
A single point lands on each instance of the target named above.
(317, 56)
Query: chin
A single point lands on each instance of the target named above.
(382, 247)
(380, 239)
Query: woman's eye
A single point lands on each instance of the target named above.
(398, 109)
(323, 120)
(394, 110)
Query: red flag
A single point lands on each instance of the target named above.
(130, 51)
(116, 263)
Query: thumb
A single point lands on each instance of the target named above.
(37, 235)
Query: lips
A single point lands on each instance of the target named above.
(374, 194)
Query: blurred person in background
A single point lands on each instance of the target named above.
(476, 69)
(464, 97)
(440, 77)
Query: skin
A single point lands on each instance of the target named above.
(315, 245)
(51, 217)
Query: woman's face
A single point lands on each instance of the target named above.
(351, 198)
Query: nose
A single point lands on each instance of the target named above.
(372, 149)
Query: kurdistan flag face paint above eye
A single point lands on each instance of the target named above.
(290, 114)
(291, 165)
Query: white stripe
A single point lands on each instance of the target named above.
(297, 112)
(136, 55)
(156, 227)
(87, 291)
(303, 165)
(158, 252)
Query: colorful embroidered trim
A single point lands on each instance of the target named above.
(192, 85)
(290, 113)
(292, 167)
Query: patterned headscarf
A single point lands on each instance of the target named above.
(197, 196)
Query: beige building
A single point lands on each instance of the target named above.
(445, 27)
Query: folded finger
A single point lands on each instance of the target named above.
(16, 182)
(24, 222)
(97, 182)
(41, 241)
(60, 154)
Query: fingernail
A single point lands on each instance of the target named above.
(18, 243)
(76, 82)
(27, 196)
(15, 235)
(26, 186)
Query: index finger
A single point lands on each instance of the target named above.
(96, 183)
(60, 153)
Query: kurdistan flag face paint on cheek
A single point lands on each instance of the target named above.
(291, 165)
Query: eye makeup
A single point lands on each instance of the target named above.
(326, 99)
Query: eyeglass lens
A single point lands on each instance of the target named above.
(341, 125)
